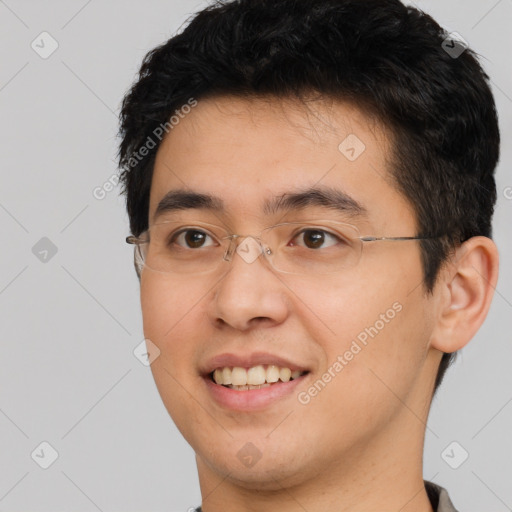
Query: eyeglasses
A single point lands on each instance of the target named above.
(308, 247)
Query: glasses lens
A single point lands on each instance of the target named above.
(175, 247)
(309, 247)
(316, 247)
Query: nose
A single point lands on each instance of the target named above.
(250, 292)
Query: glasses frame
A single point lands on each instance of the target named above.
(233, 237)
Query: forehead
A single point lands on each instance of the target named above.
(250, 153)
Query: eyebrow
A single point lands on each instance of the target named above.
(320, 196)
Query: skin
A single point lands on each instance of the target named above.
(358, 444)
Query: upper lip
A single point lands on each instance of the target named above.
(248, 361)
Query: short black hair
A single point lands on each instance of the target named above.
(390, 60)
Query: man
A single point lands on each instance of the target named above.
(310, 190)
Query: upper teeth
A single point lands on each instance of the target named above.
(254, 376)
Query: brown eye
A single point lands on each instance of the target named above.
(192, 238)
(315, 238)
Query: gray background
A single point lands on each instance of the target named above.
(69, 325)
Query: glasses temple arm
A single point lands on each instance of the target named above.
(396, 238)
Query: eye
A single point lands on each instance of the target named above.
(193, 238)
(315, 238)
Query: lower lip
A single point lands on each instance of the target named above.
(251, 399)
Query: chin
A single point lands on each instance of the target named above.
(274, 469)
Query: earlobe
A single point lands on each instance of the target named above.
(467, 286)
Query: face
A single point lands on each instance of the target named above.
(359, 338)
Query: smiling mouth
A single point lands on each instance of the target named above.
(256, 377)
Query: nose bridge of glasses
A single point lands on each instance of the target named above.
(248, 247)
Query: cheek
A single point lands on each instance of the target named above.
(378, 332)
(171, 319)
(158, 304)
(367, 383)
(166, 304)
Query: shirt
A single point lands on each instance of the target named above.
(437, 495)
(439, 498)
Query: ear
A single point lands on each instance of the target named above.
(466, 286)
